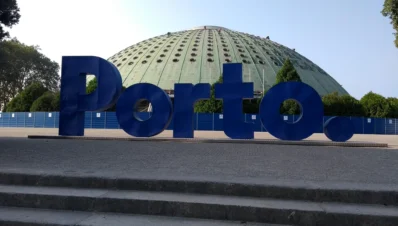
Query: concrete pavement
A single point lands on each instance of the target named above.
(360, 175)
(391, 140)
(201, 160)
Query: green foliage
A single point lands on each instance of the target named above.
(44, 103)
(345, 105)
(56, 102)
(393, 102)
(211, 105)
(14, 105)
(30, 94)
(287, 73)
(24, 100)
(91, 86)
(9, 16)
(390, 10)
(290, 107)
(22, 65)
(375, 105)
(352, 106)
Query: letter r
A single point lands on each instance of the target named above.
(185, 96)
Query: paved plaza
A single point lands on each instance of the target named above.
(218, 161)
(347, 174)
(391, 140)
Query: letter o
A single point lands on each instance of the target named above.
(161, 110)
(311, 118)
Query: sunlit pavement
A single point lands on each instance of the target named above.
(391, 140)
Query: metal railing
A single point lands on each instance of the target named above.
(202, 121)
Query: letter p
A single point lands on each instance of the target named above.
(74, 100)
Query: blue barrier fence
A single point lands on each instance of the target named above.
(202, 121)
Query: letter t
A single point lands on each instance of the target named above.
(232, 91)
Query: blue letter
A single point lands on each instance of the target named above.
(185, 96)
(74, 101)
(161, 110)
(232, 91)
(311, 117)
(339, 129)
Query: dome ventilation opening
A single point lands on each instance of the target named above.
(196, 48)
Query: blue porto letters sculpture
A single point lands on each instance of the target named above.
(75, 101)
(232, 91)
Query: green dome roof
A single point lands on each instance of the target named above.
(197, 55)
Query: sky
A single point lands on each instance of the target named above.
(349, 39)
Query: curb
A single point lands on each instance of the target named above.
(202, 140)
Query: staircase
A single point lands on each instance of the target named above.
(40, 199)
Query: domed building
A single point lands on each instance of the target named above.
(197, 55)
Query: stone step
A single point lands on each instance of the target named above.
(44, 217)
(201, 206)
(293, 190)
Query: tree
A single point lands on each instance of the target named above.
(14, 105)
(9, 16)
(44, 103)
(335, 105)
(288, 74)
(212, 105)
(91, 86)
(393, 102)
(290, 107)
(22, 65)
(31, 94)
(375, 105)
(351, 106)
(390, 10)
(24, 100)
(56, 101)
